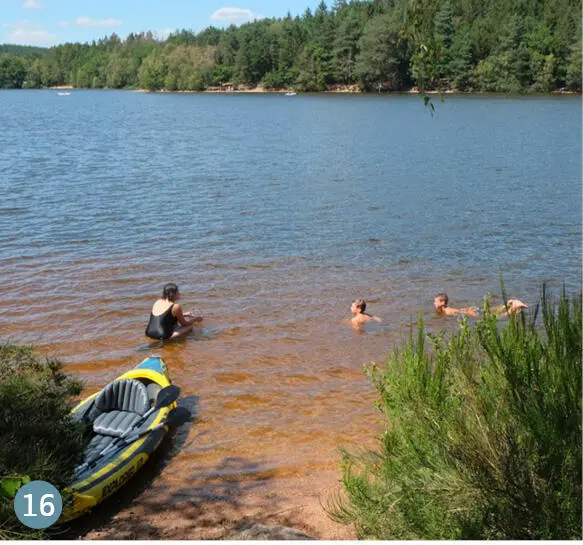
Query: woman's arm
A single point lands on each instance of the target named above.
(184, 318)
(468, 310)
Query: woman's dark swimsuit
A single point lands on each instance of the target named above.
(161, 327)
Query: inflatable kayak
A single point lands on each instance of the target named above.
(127, 420)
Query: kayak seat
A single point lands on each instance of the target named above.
(115, 423)
(97, 444)
(153, 390)
(119, 406)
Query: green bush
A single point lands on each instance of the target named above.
(483, 434)
(38, 438)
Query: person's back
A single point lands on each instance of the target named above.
(162, 322)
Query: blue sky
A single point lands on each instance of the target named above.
(51, 22)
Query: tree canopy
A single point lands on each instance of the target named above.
(516, 46)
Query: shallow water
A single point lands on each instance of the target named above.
(272, 214)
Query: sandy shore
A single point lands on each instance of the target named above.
(259, 89)
(159, 504)
(345, 89)
(333, 89)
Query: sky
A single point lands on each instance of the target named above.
(51, 22)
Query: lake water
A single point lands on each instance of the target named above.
(273, 213)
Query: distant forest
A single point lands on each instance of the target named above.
(508, 46)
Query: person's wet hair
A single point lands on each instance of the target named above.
(360, 304)
(169, 292)
(443, 296)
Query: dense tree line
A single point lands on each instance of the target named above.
(466, 45)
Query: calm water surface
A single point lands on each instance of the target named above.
(272, 214)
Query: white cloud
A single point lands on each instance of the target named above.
(27, 33)
(32, 4)
(163, 33)
(63, 23)
(87, 21)
(234, 16)
(25, 23)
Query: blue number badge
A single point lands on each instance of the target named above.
(38, 504)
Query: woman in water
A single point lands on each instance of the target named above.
(167, 321)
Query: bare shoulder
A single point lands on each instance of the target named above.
(159, 307)
(360, 319)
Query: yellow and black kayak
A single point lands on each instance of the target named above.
(128, 419)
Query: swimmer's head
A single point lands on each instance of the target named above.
(441, 301)
(170, 292)
(358, 306)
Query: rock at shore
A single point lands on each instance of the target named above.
(262, 532)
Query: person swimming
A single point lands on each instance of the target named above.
(359, 316)
(441, 304)
(167, 321)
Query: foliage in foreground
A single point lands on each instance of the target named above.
(483, 435)
(38, 438)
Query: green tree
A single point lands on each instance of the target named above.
(221, 74)
(50, 73)
(443, 36)
(254, 58)
(153, 73)
(461, 62)
(292, 41)
(33, 78)
(543, 68)
(383, 60)
(346, 47)
(209, 36)
(574, 68)
(12, 72)
(181, 37)
(228, 46)
(522, 67)
(120, 71)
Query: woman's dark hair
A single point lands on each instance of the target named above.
(443, 296)
(169, 292)
(361, 304)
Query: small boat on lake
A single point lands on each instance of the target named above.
(63, 94)
(290, 94)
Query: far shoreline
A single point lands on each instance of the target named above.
(334, 90)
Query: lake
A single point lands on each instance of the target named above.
(272, 214)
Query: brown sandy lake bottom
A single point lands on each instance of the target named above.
(274, 377)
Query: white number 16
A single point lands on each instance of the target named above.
(47, 508)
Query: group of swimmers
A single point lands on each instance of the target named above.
(168, 321)
(441, 304)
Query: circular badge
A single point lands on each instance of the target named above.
(38, 504)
